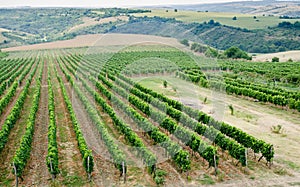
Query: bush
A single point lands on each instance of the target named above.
(185, 42)
(275, 59)
(235, 52)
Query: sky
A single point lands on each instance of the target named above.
(100, 3)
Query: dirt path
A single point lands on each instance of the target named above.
(70, 161)
(36, 172)
(14, 138)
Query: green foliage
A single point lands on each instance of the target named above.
(86, 153)
(160, 176)
(165, 83)
(277, 129)
(3, 54)
(52, 155)
(15, 112)
(199, 48)
(275, 59)
(231, 109)
(234, 18)
(210, 52)
(23, 152)
(236, 53)
(185, 42)
(289, 25)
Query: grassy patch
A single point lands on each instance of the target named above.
(281, 171)
(290, 164)
(206, 180)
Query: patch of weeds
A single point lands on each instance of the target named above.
(278, 129)
(281, 171)
(290, 164)
(73, 181)
(252, 177)
(62, 134)
(251, 164)
(206, 180)
(221, 177)
(6, 182)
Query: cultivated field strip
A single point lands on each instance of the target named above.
(86, 120)
(23, 152)
(15, 124)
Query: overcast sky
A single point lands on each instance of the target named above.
(101, 3)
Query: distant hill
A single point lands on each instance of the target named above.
(214, 34)
(268, 7)
(39, 25)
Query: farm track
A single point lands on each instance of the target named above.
(69, 156)
(13, 99)
(15, 136)
(36, 170)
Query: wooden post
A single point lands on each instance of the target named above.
(187, 173)
(15, 169)
(246, 155)
(124, 173)
(88, 167)
(215, 163)
(52, 175)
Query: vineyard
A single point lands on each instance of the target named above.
(74, 118)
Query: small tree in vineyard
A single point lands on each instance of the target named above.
(165, 84)
(231, 109)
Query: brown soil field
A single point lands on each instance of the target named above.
(283, 56)
(99, 40)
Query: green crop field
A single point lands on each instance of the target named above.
(243, 20)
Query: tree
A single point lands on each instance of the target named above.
(234, 18)
(275, 59)
(175, 10)
(185, 42)
(254, 17)
(235, 52)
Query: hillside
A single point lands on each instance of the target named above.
(39, 25)
(214, 34)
